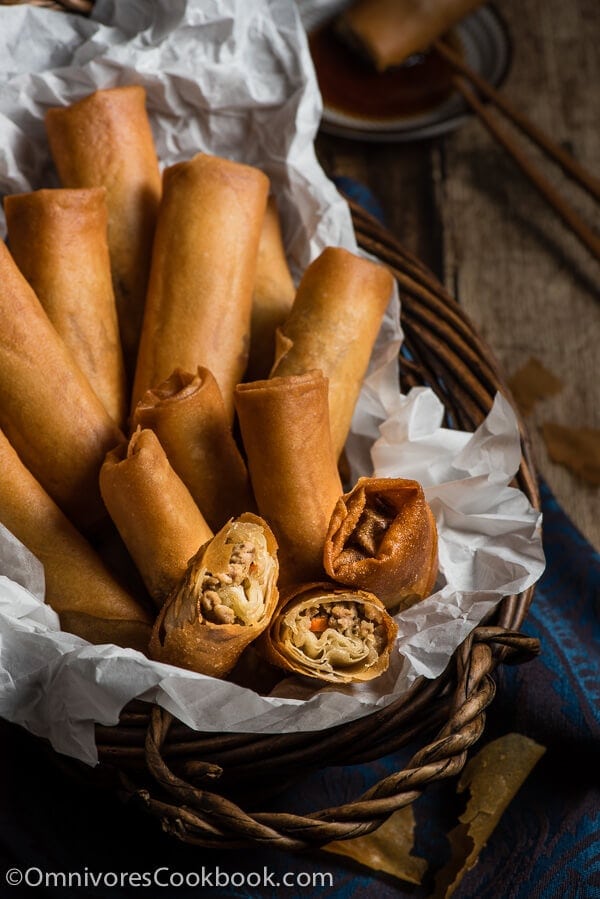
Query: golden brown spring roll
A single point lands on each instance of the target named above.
(153, 511)
(224, 602)
(203, 268)
(273, 296)
(333, 324)
(69, 271)
(79, 587)
(105, 140)
(49, 411)
(383, 538)
(389, 31)
(188, 415)
(330, 633)
(285, 429)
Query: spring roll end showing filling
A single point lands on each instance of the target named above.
(335, 636)
(383, 538)
(225, 600)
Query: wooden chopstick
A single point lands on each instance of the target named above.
(569, 165)
(463, 81)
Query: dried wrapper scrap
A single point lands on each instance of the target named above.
(531, 383)
(387, 849)
(578, 449)
(493, 777)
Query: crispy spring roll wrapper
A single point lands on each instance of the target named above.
(383, 538)
(225, 600)
(330, 633)
(153, 511)
(48, 409)
(285, 429)
(273, 296)
(389, 31)
(79, 587)
(70, 274)
(105, 140)
(333, 324)
(188, 415)
(121, 632)
(203, 268)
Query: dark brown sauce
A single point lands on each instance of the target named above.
(350, 84)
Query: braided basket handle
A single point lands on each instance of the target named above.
(197, 815)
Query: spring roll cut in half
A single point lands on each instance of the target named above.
(188, 415)
(199, 298)
(329, 633)
(79, 587)
(70, 274)
(105, 140)
(333, 324)
(273, 296)
(224, 601)
(383, 537)
(285, 430)
(153, 511)
(48, 409)
(387, 32)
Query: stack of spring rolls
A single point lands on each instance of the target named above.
(173, 411)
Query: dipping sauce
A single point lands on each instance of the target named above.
(350, 84)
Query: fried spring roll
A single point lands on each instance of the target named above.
(48, 409)
(224, 602)
(105, 140)
(188, 415)
(88, 600)
(333, 324)
(203, 268)
(274, 293)
(389, 31)
(329, 633)
(153, 511)
(70, 274)
(285, 429)
(383, 538)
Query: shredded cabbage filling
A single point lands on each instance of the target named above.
(339, 634)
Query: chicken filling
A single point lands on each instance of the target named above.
(233, 592)
(340, 634)
(236, 595)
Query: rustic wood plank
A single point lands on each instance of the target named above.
(525, 281)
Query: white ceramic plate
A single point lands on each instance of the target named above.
(486, 47)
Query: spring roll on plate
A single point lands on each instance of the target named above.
(389, 31)
(225, 600)
(383, 537)
(70, 274)
(79, 587)
(333, 324)
(105, 140)
(330, 633)
(188, 415)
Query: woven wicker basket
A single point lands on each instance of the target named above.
(197, 784)
(186, 778)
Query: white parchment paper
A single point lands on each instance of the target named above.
(235, 78)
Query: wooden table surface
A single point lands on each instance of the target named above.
(463, 206)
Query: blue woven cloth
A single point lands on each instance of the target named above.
(546, 844)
